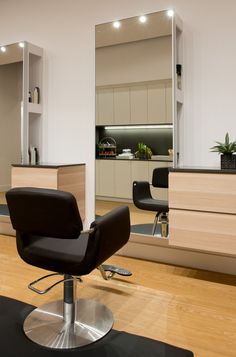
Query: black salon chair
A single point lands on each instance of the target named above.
(49, 235)
(143, 199)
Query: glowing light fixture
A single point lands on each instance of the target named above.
(142, 19)
(21, 44)
(170, 13)
(116, 24)
(127, 127)
(3, 49)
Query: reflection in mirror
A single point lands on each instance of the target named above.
(11, 93)
(133, 105)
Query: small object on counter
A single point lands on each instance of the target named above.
(36, 95)
(33, 155)
(170, 152)
(30, 97)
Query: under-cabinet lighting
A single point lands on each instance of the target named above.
(142, 19)
(116, 24)
(21, 44)
(3, 49)
(170, 13)
(124, 127)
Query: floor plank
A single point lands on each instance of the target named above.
(186, 307)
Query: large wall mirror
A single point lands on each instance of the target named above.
(135, 105)
(11, 97)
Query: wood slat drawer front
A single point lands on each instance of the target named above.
(203, 192)
(205, 231)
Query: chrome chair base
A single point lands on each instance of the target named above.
(46, 325)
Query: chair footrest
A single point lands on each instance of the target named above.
(114, 269)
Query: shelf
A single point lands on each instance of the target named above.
(35, 108)
(179, 96)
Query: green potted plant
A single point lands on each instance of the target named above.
(143, 151)
(226, 149)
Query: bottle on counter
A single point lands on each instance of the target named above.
(29, 97)
(36, 95)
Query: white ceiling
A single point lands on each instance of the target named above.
(157, 24)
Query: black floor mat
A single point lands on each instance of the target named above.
(14, 343)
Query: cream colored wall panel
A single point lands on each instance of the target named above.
(156, 103)
(203, 191)
(107, 178)
(168, 96)
(138, 104)
(205, 231)
(123, 184)
(105, 106)
(121, 105)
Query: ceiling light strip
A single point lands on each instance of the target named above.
(124, 127)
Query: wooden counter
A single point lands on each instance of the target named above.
(203, 209)
(65, 177)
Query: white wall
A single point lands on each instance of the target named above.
(65, 29)
(134, 62)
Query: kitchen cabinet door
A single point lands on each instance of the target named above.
(105, 106)
(138, 104)
(139, 171)
(123, 185)
(106, 177)
(121, 105)
(156, 103)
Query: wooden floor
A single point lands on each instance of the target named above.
(184, 307)
(137, 216)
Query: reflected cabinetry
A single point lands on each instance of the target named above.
(140, 103)
(114, 178)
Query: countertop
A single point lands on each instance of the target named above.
(206, 170)
(46, 165)
(164, 158)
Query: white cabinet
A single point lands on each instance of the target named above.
(105, 111)
(106, 177)
(123, 184)
(156, 103)
(122, 105)
(138, 104)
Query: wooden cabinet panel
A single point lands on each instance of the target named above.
(206, 231)
(203, 191)
(105, 106)
(121, 105)
(97, 178)
(138, 104)
(156, 103)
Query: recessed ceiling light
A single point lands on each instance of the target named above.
(3, 48)
(21, 44)
(142, 18)
(170, 13)
(116, 24)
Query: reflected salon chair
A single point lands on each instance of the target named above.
(143, 199)
(49, 235)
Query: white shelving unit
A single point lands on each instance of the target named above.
(177, 93)
(31, 129)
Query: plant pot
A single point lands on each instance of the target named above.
(228, 161)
